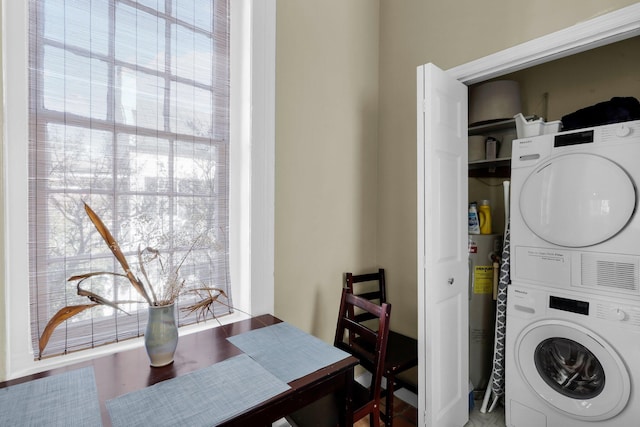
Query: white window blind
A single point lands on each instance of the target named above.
(129, 112)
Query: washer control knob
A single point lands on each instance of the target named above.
(623, 130)
(619, 314)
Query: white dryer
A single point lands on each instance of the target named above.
(571, 360)
(574, 221)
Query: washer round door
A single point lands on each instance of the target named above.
(572, 369)
(577, 200)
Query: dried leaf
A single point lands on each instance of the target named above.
(156, 254)
(93, 297)
(203, 306)
(62, 315)
(115, 249)
(82, 277)
(209, 289)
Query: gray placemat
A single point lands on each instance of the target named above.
(202, 398)
(67, 399)
(286, 351)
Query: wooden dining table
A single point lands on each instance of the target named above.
(129, 371)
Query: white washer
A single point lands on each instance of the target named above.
(574, 221)
(571, 360)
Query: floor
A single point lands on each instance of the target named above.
(407, 416)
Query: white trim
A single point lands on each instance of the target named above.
(240, 154)
(254, 145)
(612, 27)
(18, 352)
(263, 156)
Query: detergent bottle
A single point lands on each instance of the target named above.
(474, 221)
(484, 214)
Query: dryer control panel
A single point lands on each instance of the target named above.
(604, 134)
(530, 150)
(573, 138)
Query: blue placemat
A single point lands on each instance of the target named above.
(67, 399)
(202, 398)
(286, 351)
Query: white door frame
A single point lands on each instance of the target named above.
(605, 29)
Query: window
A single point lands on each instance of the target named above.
(250, 153)
(130, 114)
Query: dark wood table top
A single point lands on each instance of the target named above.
(128, 371)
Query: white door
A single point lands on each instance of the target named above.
(442, 249)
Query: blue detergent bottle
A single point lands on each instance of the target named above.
(474, 220)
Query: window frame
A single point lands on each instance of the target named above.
(251, 181)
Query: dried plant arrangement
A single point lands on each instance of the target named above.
(155, 295)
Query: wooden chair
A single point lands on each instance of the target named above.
(402, 351)
(349, 336)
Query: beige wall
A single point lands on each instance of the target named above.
(413, 32)
(326, 155)
(581, 80)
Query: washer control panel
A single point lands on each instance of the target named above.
(531, 303)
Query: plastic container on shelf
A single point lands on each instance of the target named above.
(527, 128)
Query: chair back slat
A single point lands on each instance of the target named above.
(375, 288)
(359, 331)
(367, 277)
(373, 295)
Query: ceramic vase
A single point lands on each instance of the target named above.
(161, 335)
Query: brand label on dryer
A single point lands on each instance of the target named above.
(546, 255)
(541, 265)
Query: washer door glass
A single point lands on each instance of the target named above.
(572, 369)
(577, 200)
(569, 368)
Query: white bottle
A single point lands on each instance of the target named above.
(474, 221)
(491, 148)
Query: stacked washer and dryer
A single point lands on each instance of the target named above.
(573, 308)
